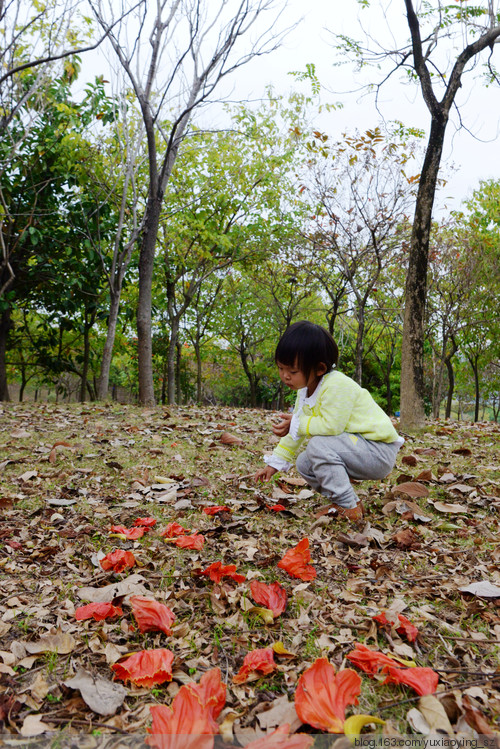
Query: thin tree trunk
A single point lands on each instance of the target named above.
(197, 352)
(412, 352)
(172, 353)
(85, 366)
(178, 358)
(358, 374)
(451, 386)
(5, 326)
(107, 354)
(144, 304)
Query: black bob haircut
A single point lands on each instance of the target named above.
(306, 345)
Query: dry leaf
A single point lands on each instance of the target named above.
(102, 696)
(60, 642)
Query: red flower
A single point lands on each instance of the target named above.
(174, 529)
(193, 713)
(422, 680)
(132, 534)
(260, 661)
(214, 510)
(97, 611)
(276, 508)
(295, 561)
(279, 739)
(216, 571)
(370, 661)
(151, 616)
(195, 541)
(146, 668)
(118, 560)
(272, 596)
(145, 522)
(405, 628)
(322, 695)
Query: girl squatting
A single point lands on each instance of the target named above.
(349, 435)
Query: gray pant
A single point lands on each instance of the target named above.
(329, 462)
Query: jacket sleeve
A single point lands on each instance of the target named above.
(330, 414)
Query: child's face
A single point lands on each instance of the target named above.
(293, 378)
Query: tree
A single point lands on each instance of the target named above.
(360, 195)
(432, 58)
(192, 47)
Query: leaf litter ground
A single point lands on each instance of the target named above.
(428, 550)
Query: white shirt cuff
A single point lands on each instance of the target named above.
(294, 426)
(276, 462)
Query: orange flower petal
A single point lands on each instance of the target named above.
(118, 560)
(407, 628)
(97, 611)
(131, 533)
(212, 510)
(193, 714)
(152, 616)
(322, 695)
(279, 739)
(216, 571)
(295, 561)
(422, 680)
(145, 522)
(369, 661)
(174, 529)
(146, 668)
(272, 596)
(196, 541)
(260, 661)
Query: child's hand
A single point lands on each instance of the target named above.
(283, 427)
(264, 474)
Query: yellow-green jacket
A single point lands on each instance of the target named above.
(341, 406)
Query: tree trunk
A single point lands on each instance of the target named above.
(412, 353)
(197, 352)
(451, 386)
(85, 366)
(388, 389)
(358, 358)
(473, 360)
(144, 306)
(178, 358)
(5, 326)
(107, 354)
(172, 352)
(164, 380)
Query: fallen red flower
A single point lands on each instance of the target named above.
(174, 529)
(272, 596)
(145, 522)
(118, 560)
(152, 616)
(97, 611)
(370, 661)
(255, 663)
(216, 571)
(322, 695)
(295, 561)
(132, 534)
(146, 668)
(193, 713)
(195, 541)
(405, 628)
(279, 739)
(422, 680)
(215, 510)
(276, 508)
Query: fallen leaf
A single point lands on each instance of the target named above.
(482, 589)
(449, 507)
(102, 696)
(131, 585)
(229, 439)
(435, 715)
(412, 489)
(60, 642)
(33, 725)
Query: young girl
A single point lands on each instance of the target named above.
(350, 436)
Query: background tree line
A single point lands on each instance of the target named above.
(142, 250)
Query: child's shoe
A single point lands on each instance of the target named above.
(354, 514)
